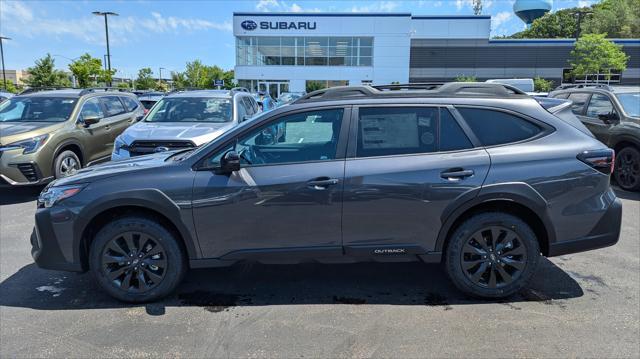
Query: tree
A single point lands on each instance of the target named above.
(315, 85)
(542, 85)
(88, 70)
(11, 87)
(145, 80)
(44, 74)
(594, 54)
(199, 75)
(615, 18)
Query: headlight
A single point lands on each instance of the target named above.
(118, 144)
(53, 195)
(29, 146)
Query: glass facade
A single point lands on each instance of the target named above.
(304, 51)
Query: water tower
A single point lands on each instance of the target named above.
(529, 10)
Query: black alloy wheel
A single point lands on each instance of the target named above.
(493, 257)
(627, 169)
(134, 262)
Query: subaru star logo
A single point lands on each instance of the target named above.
(161, 149)
(249, 25)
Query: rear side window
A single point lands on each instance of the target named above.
(130, 103)
(113, 105)
(496, 127)
(398, 131)
(599, 105)
(579, 101)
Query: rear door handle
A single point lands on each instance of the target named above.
(456, 174)
(322, 183)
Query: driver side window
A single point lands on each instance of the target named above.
(91, 108)
(300, 137)
(599, 105)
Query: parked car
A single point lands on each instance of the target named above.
(52, 134)
(5, 95)
(264, 100)
(149, 99)
(479, 176)
(288, 97)
(185, 119)
(612, 113)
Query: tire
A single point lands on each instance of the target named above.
(157, 254)
(66, 164)
(516, 253)
(627, 169)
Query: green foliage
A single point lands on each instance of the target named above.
(199, 75)
(11, 87)
(145, 80)
(542, 85)
(614, 18)
(315, 85)
(123, 85)
(593, 54)
(161, 86)
(464, 78)
(44, 74)
(88, 71)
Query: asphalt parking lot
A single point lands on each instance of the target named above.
(582, 305)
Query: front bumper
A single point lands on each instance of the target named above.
(53, 244)
(120, 155)
(18, 169)
(606, 233)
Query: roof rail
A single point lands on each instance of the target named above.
(410, 86)
(451, 89)
(584, 85)
(105, 89)
(43, 88)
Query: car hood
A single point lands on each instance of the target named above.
(109, 169)
(11, 131)
(198, 133)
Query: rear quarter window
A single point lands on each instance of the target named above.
(129, 103)
(496, 127)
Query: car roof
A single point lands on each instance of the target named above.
(625, 89)
(202, 93)
(53, 93)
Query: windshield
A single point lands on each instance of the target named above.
(37, 109)
(630, 102)
(191, 109)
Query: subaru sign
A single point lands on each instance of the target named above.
(249, 25)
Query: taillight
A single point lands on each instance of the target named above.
(601, 160)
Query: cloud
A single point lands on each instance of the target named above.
(283, 6)
(585, 3)
(500, 18)
(379, 6)
(17, 17)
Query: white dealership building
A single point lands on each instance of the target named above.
(283, 52)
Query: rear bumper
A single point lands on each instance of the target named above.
(606, 233)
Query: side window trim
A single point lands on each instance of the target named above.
(103, 99)
(83, 103)
(546, 128)
(463, 124)
(340, 150)
(586, 102)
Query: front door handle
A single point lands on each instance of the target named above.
(321, 183)
(456, 174)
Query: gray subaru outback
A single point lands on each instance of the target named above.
(480, 177)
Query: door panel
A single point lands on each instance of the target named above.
(95, 137)
(268, 207)
(400, 200)
(598, 104)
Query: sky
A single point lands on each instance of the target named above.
(169, 33)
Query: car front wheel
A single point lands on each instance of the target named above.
(136, 259)
(492, 255)
(66, 164)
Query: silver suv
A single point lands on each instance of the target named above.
(185, 119)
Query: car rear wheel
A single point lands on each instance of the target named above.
(627, 169)
(66, 164)
(492, 255)
(136, 259)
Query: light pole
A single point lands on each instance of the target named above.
(4, 75)
(162, 68)
(106, 30)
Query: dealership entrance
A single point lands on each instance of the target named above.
(275, 88)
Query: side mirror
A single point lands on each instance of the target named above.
(230, 162)
(90, 120)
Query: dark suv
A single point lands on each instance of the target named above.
(612, 114)
(479, 176)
